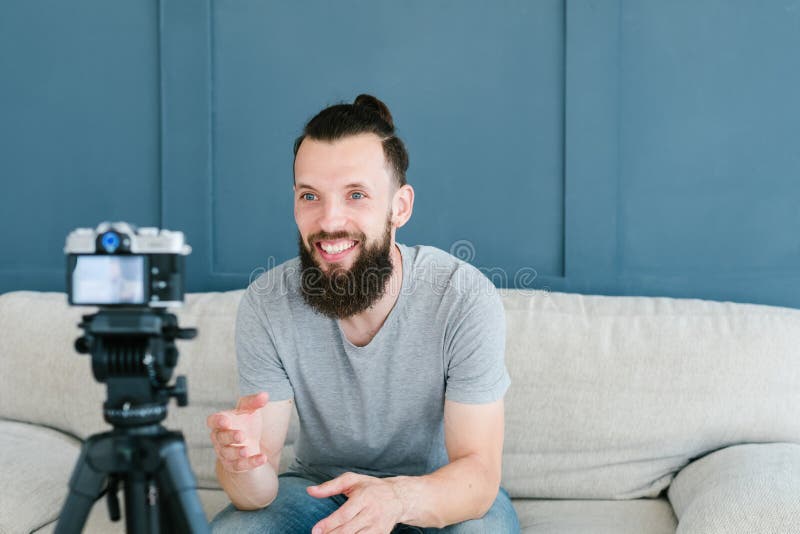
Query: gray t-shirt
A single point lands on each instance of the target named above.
(376, 409)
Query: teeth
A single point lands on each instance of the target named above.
(337, 248)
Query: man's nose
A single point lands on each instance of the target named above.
(334, 216)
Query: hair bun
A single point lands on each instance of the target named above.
(374, 105)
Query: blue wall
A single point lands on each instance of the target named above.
(643, 148)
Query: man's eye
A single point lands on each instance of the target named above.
(307, 196)
(360, 195)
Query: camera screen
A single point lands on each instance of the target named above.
(109, 280)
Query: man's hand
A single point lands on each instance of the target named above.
(373, 505)
(236, 434)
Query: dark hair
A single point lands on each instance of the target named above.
(366, 114)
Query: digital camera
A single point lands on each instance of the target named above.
(118, 265)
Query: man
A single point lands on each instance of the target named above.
(393, 356)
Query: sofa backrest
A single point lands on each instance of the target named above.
(610, 396)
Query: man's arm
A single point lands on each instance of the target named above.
(256, 486)
(463, 489)
(466, 487)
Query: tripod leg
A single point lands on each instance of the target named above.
(154, 507)
(178, 485)
(85, 486)
(136, 507)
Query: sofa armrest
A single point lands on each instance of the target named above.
(753, 488)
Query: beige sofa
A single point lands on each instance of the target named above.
(625, 415)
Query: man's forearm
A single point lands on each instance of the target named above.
(462, 490)
(249, 490)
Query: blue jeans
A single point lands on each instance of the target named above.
(294, 511)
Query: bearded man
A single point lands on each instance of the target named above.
(393, 357)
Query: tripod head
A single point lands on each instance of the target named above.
(133, 351)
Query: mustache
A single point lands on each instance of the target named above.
(325, 236)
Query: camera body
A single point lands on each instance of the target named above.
(120, 265)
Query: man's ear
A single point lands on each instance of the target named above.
(402, 205)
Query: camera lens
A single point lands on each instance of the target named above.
(110, 242)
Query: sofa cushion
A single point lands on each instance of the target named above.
(611, 396)
(36, 464)
(651, 516)
(739, 490)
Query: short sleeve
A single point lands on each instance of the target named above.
(476, 370)
(260, 367)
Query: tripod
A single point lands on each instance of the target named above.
(134, 352)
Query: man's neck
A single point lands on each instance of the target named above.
(362, 327)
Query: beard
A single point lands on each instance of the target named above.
(341, 293)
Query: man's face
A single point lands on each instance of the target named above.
(343, 212)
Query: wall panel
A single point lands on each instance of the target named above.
(80, 133)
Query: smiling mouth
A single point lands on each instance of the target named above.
(333, 251)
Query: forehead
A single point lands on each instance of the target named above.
(332, 164)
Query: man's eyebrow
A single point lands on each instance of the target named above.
(354, 185)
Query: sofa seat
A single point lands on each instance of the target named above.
(536, 516)
(557, 516)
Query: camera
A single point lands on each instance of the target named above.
(118, 265)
